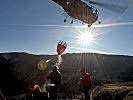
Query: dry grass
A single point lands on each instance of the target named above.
(118, 91)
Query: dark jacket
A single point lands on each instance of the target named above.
(55, 77)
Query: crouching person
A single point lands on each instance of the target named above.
(32, 91)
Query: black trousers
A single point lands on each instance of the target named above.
(86, 92)
(53, 93)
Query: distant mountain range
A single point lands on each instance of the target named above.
(18, 69)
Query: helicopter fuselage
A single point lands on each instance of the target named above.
(78, 9)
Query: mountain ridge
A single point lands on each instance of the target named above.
(18, 69)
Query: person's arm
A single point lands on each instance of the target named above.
(2, 96)
(60, 78)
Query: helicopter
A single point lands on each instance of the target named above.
(84, 12)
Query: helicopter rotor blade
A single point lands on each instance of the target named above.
(112, 7)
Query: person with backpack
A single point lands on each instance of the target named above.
(55, 80)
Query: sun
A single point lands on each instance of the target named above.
(85, 39)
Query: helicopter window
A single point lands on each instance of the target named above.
(70, 3)
(67, 3)
(94, 11)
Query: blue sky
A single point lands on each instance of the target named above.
(36, 26)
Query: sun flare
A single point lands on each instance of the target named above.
(85, 38)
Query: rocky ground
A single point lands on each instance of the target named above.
(116, 91)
